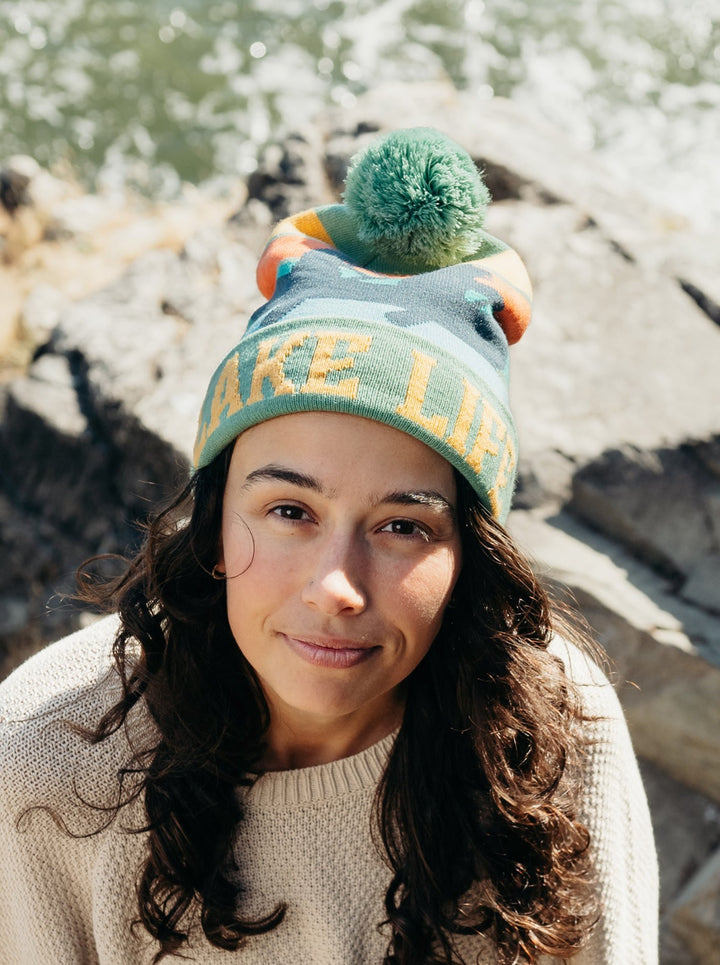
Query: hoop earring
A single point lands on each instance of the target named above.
(217, 574)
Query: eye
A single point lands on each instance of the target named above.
(406, 527)
(291, 512)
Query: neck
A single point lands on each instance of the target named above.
(297, 740)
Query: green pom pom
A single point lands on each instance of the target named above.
(418, 195)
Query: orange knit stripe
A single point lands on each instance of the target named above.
(515, 316)
(280, 249)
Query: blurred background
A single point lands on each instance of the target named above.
(146, 147)
(148, 93)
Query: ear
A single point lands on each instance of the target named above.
(218, 570)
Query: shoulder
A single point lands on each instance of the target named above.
(608, 758)
(596, 694)
(44, 705)
(615, 810)
(614, 801)
(48, 680)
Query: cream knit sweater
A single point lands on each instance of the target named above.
(305, 841)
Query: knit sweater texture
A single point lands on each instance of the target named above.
(305, 841)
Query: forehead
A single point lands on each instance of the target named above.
(342, 448)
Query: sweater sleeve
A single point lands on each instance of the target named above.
(616, 813)
(46, 912)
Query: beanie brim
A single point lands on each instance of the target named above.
(404, 378)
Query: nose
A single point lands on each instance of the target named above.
(335, 583)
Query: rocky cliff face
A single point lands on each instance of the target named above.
(615, 391)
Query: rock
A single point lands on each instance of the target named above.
(709, 452)
(694, 918)
(39, 562)
(664, 505)
(14, 614)
(28, 193)
(675, 721)
(340, 148)
(80, 217)
(291, 176)
(687, 830)
(703, 583)
(598, 398)
(24, 183)
(221, 278)
(119, 340)
(674, 952)
(665, 655)
(41, 312)
(16, 176)
(95, 237)
(44, 427)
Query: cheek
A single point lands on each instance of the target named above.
(424, 593)
(238, 545)
(260, 580)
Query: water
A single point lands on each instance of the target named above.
(153, 92)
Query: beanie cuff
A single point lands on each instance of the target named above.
(408, 378)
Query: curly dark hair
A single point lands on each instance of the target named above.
(477, 811)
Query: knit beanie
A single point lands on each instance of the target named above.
(395, 305)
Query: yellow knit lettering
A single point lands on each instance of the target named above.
(226, 398)
(492, 431)
(507, 464)
(270, 367)
(464, 421)
(323, 363)
(411, 408)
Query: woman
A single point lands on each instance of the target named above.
(341, 725)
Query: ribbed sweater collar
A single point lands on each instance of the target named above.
(323, 782)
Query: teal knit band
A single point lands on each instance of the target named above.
(372, 370)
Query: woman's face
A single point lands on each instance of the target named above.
(355, 550)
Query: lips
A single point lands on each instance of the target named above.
(330, 651)
(334, 643)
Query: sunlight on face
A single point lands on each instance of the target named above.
(341, 548)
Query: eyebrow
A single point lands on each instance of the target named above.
(282, 474)
(421, 497)
(415, 497)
